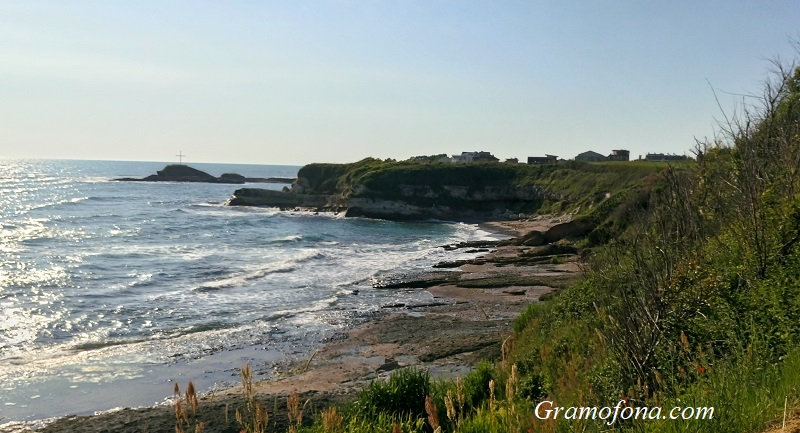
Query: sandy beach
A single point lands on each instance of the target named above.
(467, 322)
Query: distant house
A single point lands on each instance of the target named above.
(619, 155)
(512, 160)
(546, 159)
(663, 157)
(590, 156)
(475, 157)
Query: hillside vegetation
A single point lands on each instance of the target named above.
(694, 303)
(698, 302)
(691, 299)
(567, 187)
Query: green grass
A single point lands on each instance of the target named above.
(746, 396)
(403, 395)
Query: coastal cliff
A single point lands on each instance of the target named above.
(462, 192)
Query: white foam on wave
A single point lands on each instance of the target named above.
(247, 277)
(308, 313)
(58, 202)
(94, 359)
(95, 179)
(290, 238)
(248, 211)
(472, 232)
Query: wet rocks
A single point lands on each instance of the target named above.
(471, 244)
(570, 230)
(279, 199)
(414, 280)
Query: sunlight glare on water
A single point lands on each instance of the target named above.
(103, 282)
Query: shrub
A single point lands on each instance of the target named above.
(403, 395)
(476, 384)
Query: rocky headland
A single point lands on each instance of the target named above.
(184, 173)
(475, 192)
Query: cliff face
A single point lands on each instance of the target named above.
(466, 192)
(489, 206)
(451, 202)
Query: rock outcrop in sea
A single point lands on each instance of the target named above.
(184, 173)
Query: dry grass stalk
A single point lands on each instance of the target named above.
(433, 415)
(247, 383)
(511, 388)
(684, 342)
(239, 417)
(308, 363)
(261, 419)
(191, 398)
(505, 351)
(331, 420)
(462, 398)
(181, 415)
(294, 411)
(450, 405)
(491, 393)
(482, 310)
(257, 418)
(182, 406)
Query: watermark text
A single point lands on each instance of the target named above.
(622, 411)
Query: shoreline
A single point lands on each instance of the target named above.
(448, 337)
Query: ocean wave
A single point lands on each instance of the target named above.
(95, 345)
(202, 327)
(287, 239)
(77, 200)
(242, 279)
(95, 179)
(312, 255)
(208, 204)
(104, 199)
(158, 336)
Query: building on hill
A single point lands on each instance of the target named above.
(512, 160)
(663, 157)
(546, 159)
(475, 157)
(620, 155)
(590, 156)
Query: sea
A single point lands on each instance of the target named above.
(111, 292)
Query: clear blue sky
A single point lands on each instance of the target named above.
(285, 82)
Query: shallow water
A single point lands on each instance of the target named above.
(110, 291)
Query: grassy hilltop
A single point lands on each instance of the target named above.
(567, 187)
